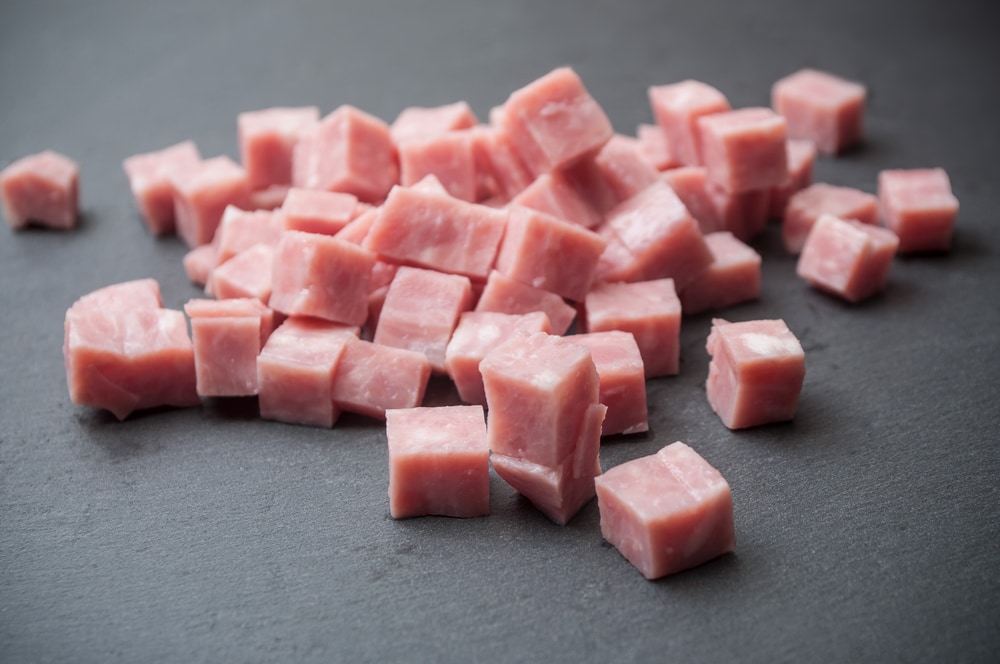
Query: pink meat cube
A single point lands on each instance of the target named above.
(416, 123)
(439, 232)
(227, 336)
(589, 182)
(267, 139)
(919, 207)
(654, 147)
(349, 151)
(321, 276)
(744, 149)
(431, 184)
(623, 166)
(448, 156)
(554, 121)
(373, 378)
(807, 205)
(510, 296)
(439, 462)
(622, 377)
(137, 295)
(847, 258)
(549, 253)
(241, 229)
(822, 108)
(199, 263)
(756, 372)
(553, 194)
(201, 194)
(677, 108)
(269, 198)
(801, 158)
(357, 229)
(315, 211)
(715, 209)
(667, 512)
(421, 311)
(732, 278)
(247, 274)
(494, 152)
(149, 178)
(477, 333)
(652, 236)
(43, 189)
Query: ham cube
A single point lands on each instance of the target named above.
(677, 108)
(822, 108)
(624, 169)
(510, 296)
(373, 378)
(267, 139)
(449, 157)
(801, 158)
(42, 189)
(137, 295)
(807, 205)
(227, 336)
(745, 149)
(650, 311)
(421, 311)
(756, 372)
(847, 258)
(495, 156)
(732, 278)
(622, 378)
(149, 178)
(201, 194)
(744, 214)
(357, 229)
(314, 211)
(199, 263)
(247, 274)
(241, 229)
(553, 194)
(269, 198)
(654, 147)
(667, 512)
(416, 123)
(439, 462)
(919, 207)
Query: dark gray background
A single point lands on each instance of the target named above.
(868, 529)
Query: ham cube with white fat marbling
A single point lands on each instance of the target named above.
(149, 178)
(667, 512)
(745, 149)
(448, 156)
(315, 211)
(919, 207)
(623, 383)
(756, 372)
(439, 462)
(510, 296)
(807, 205)
(553, 194)
(847, 258)
(416, 123)
(733, 277)
(801, 159)
(227, 337)
(821, 107)
(677, 107)
(372, 378)
(202, 192)
(715, 209)
(41, 189)
(267, 139)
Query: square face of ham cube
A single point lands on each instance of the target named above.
(201, 194)
(809, 204)
(919, 207)
(510, 296)
(315, 211)
(677, 108)
(554, 194)
(654, 147)
(372, 378)
(149, 178)
(416, 123)
(439, 462)
(42, 189)
(448, 156)
(744, 149)
(267, 138)
(623, 383)
(667, 512)
(715, 209)
(847, 258)
(822, 108)
(732, 278)
(756, 372)
(240, 229)
(227, 337)
(247, 274)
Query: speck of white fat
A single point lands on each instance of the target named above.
(766, 344)
(488, 334)
(545, 379)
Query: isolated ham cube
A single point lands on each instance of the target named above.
(372, 378)
(623, 383)
(149, 178)
(267, 139)
(733, 277)
(847, 258)
(821, 107)
(745, 149)
(201, 194)
(227, 337)
(666, 512)
(417, 123)
(809, 204)
(439, 462)
(801, 159)
(677, 107)
(41, 189)
(503, 294)
(315, 211)
(919, 207)
(448, 156)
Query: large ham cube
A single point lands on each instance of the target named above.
(745, 149)
(201, 194)
(919, 207)
(809, 204)
(822, 108)
(553, 194)
(373, 378)
(267, 139)
(448, 156)
(417, 123)
(315, 211)
(41, 189)
(247, 274)
(801, 158)
(623, 383)
(510, 296)
(667, 512)
(439, 462)
(847, 258)
(732, 278)
(715, 209)
(149, 178)
(227, 336)
(756, 372)
(677, 108)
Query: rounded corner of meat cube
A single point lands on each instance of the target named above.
(201, 194)
(622, 378)
(744, 149)
(919, 207)
(41, 189)
(807, 205)
(438, 462)
(666, 512)
(733, 277)
(267, 139)
(847, 258)
(756, 372)
(677, 107)
(227, 336)
(821, 107)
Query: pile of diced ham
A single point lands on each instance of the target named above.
(349, 260)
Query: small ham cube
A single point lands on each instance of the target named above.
(650, 311)
(654, 147)
(801, 158)
(416, 123)
(496, 155)
(919, 207)
(241, 229)
(822, 108)
(247, 274)
(267, 139)
(199, 263)
(807, 205)
(201, 194)
(553, 194)
(41, 189)
(715, 209)
(756, 372)
(373, 378)
(137, 295)
(510, 296)
(623, 168)
(357, 229)
(744, 149)
(439, 462)
(448, 156)
(227, 337)
(732, 278)
(677, 108)
(314, 211)
(667, 512)
(623, 383)
(847, 258)
(149, 178)
(269, 198)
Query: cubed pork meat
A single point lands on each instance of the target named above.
(227, 337)
(202, 192)
(623, 383)
(654, 147)
(41, 189)
(801, 158)
(554, 194)
(677, 107)
(247, 274)
(372, 378)
(821, 107)
(267, 139)
(732, 278)
(745, 149)
(715, 209)
(919, 207)
(417, 123)
(847, 258)
(449, 157)
(149, 178)
(315, 211)
(510, 296)
(807, 205)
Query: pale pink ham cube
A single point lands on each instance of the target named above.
(267, 139)
(149, 178)
(136, 295)
(553, 121)
(511, 296)
(649, 310)
(743, 150)
(623, 166)
(356, 230)
(549, 253)
(821, 107)
(41, 189)
(199, 263)
(495, 156)
(449, 157)
(715, 209)
(847, 258)
(430, 183)
(227, 337)
(421, 311)
(321, 276)
(271, 197)
(247, 274)
(667, 512)
(553, 194)
(417, 123)
(919, 207)
(349, 151)
(756, 372)
(807, 205)
(373, 378)
(677, 108)
(201, 194)
(732, 278)
(477, 333)
(241, 229)
(439, 462)
(801, 159)
(622, 377)
(315, 211)
(654, 147)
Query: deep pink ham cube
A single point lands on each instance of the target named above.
(247, 274)
(42, 189)
(267, 139)
(677, 108)
(801, 159)
(623, 383)
(821, 107)
(732, 278)
(745, 149)
(919, 207)
(201, 194)
(510, 296)
(807, 205)
(554, 194)
(373, 378)
(447, 156)
(315, 211)
(715, 209)
(847, 258)
(227, 337)
(149, 178)
(417, 123)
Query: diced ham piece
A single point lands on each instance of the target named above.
(227, 337)
(510, 296)
(357, 229)
(247, 274)
(271, 197)
(623, 383)
(715, 209)
(756, 372)
(430, 183)
(732, 278)
(649, 310)
(421, 311)
(372, 378)
(241, 229)
(807, 205)
(315, 211)
(847, 258)
(267, 139)
(745, 149)
(919, 207)
(621, 163)
(201, 194)
(821, 107)
(553, 194)
(42, 189)
(449, 157)
(149, 178)
(801, 158)
(494, 153)
(677, 108)
(136, 295)
(416, 123)
(667, 512)
(439, 462)
(654, 147)
(199, 263)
